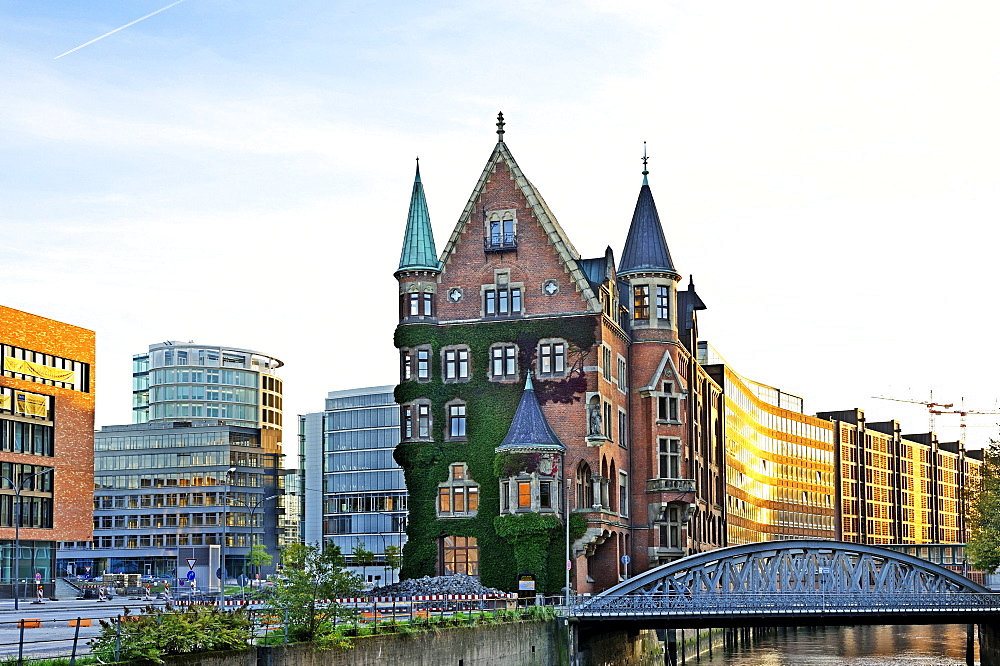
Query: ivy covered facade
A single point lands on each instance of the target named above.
(537, 386)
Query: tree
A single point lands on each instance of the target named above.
(363, 557)
(259, 557)
(393, 557)
(983, 547)
(311, 575)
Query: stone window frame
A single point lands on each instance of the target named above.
(504, 377)
(416, 359)
(511, 495)
(622, 375)
(448, 435)
(668, 400)
(419, 296)
(553, 373)
(465, 484)
(458, 378)
(410, 418)
(500, 215)
(501, 281)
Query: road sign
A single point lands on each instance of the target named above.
(569, 564)
(626, 559)
(191, 562)
(190, 575)
(38, 578)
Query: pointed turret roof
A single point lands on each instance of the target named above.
(645, 248)
(419, 252)
(530, 431)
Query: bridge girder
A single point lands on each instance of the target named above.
(789, 570)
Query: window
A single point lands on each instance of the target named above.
(406, 421)
(503, 362)
(545, 494)
(459, 555)
(662, 303)
(606, 363)
(670, 458)
(456, 421)
(667, 405)
(456, 364)
(501, 231)
(622, 375)
(414, 304)
(670, 532)
(622, 428)
(524, 494)
(505, 495)
(423, 420)
(623, 493)
(458, 497)
(499, 302)
(405, 369)
(427, 299)
(607, 420)
(640, 301)
(423, 364)
(584, 487)
(551, 359)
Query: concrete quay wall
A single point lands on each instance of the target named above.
(515, 644)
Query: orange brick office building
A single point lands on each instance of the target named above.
(46, 443)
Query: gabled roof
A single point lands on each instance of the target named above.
(556, 236)
(418, 252)
(530, 430)
(645, 248)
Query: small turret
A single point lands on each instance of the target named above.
(529, 460)
(647, 267)
(418, 263)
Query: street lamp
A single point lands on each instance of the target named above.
(16, 559)
(225, 519)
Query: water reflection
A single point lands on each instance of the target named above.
(918, 645)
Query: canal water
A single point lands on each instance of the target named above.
(917, 645)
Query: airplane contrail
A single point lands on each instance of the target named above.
(117, 29)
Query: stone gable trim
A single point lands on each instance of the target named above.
(557, 237)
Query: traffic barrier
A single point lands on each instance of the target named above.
(82, 622)
(29, 623)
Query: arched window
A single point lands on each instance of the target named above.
(584, 487)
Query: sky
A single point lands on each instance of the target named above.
(238, 172)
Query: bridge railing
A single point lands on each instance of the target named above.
(781, 603)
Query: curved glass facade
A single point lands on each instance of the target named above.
(181, 381)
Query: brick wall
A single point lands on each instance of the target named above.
(73, 420)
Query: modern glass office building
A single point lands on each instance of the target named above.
(165, 492)
(179, 381)
(356, 492)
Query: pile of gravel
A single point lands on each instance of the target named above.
(457, 584)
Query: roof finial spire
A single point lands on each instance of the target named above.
(500, 125)
(645, 168)
(418, 166)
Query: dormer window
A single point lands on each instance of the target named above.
(501, 231)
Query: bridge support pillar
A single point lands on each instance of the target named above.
(670, 654)
(989, 643)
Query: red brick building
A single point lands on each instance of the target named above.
(610, 349)
(46, 442)
(535, 383)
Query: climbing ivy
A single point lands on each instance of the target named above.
(490, 410)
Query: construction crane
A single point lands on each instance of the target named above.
(963, 412)
(933, 408)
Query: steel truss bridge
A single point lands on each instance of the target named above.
(800, 582)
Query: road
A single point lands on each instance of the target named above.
(54, 636)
